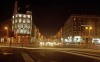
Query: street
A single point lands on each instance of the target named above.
(10, 56)
(48, 55)
(40, 55)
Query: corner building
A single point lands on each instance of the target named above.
(82, 29)
(22, 27)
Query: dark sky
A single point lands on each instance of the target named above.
(49, 15)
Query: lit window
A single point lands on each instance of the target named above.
(20, 20)
(24, 31)
(27, 32)
(21, 25)
(24, 16)
(20, 15)
(26, 36)
(12, 27)
(74, 18)
(24, 25)
(13, 17)
(15, 20)
(28, 16)
(28, 26)
(24, 21)
(16, 15)
(17, 31)
(28, 21)
(15, 26)
(21, 31)
(18, 26)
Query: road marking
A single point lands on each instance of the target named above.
(97, 58)
(7, 53)
(27, 58)
(85, 53)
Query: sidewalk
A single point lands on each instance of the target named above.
(27, 58)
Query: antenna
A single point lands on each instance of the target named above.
(15, 8)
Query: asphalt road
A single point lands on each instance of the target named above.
(40, 55)
(44, 55)
(9, 55)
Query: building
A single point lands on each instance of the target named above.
(22, 26)
(37, 34)
(59, 36)
(80, 29)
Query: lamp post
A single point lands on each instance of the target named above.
(7, 31)
(7, 35)
(89, 28)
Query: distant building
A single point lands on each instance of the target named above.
(82, 29)
(59, 36)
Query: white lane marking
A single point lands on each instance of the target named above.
(7, 53)
(27, 58)
(84, 53)
(97, 58)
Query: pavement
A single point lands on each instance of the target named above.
(26, 54)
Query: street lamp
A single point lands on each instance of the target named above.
(89, 28)
(7, 31)
(7, 35)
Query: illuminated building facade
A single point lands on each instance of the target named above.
(22, 26)
(80, 29)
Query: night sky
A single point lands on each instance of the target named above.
(49, 15)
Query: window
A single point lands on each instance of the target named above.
(74, 23)
(79, 27)
(16, 15)
(28, 21)
(21, 31)
(20, 20)
(17, 31)
(28, 16)
(79, 23)
(75, 32)
(75, 28)
(23, 20)
(84, 23)
(15, 20)
(20, 15)
(74, 19)
(24, 31)
(24, 16)
(21, 25)
(13, 17)
(28, 32)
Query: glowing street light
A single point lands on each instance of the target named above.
(7, 31)
(86, 27)
(89, 28)
(6, 28)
